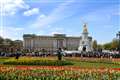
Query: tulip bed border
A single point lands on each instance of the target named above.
(51, 69)
(56, 73)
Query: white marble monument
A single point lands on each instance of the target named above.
(86, 41)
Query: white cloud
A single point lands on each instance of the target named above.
(116, 13)
(56, 33)
(31, 12)
(10, 7)
(59, 13)
(12, 32)
(96, 16)
(42, 16)
(1, 31)
(57, 30)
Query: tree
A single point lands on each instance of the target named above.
(114, 44)
(7, 45)
(18, 44)
(99, 46)
(1, 40)
(1, 43)
(107, 46)
(94, 45)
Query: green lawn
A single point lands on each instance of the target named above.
(67, 61)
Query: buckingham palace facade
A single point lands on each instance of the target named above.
(35, 42)
(51, 43)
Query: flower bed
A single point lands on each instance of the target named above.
(57, 73)
(71, 61)
(51, 69)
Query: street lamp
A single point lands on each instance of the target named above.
(118, 35)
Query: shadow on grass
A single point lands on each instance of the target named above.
(39, 62)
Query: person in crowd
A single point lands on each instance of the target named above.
(59, 54)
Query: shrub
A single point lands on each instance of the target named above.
(39, 62)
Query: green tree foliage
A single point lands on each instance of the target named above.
(114, 44)
(5, 44)
(99, 46)
(94, 45)
(107, 46)
(1, 40)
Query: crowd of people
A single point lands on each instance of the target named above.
(59, 52)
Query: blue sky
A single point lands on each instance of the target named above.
(46, 17)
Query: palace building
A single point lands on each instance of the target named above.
(51, 43)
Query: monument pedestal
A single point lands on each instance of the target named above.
(86, 41)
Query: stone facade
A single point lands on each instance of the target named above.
(33, 42)
(51, 43)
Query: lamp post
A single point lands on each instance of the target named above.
(118, 35)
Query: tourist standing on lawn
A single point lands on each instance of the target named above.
(59, 54)
(17, 55)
